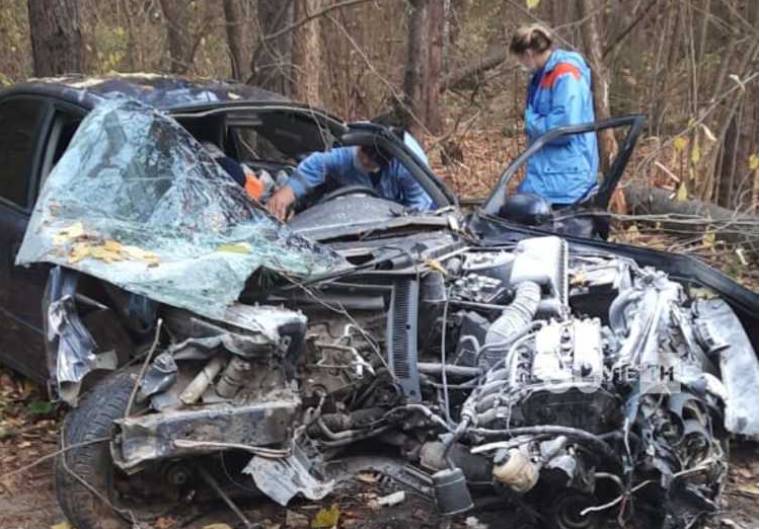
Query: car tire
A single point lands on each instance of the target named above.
(92, 464)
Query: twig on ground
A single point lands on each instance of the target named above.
(51, 455)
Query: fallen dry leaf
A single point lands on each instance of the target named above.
(367, 477)
(326, 518)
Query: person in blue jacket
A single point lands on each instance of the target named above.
(343, 166)
(559, 94)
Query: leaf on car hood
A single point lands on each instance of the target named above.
(238, 247)
(65, 235)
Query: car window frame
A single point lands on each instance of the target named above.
(59, 108)
(366, 133)
(634, 124)
(37, 151)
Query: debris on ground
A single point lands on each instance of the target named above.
(471, 522)
(295, 520)
(389, 500)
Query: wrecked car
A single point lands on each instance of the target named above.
(211, 352)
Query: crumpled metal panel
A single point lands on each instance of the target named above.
(137, 201)
(722, 330)
(281, 479)
(72, 350)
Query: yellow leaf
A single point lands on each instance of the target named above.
(112, 246)
(133, 252)
(79, 252)
(679, 144)
(61, 525)
(216, 526)
(754, 162)
(708, 239)
(104, 254)
(67, 234)
(532, 4)
(326, 518)
(239, 247)
(682, 194)
(696, 155)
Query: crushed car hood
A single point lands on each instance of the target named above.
(136, 201)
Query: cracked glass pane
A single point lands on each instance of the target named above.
(138, 202)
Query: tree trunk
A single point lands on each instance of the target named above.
(56, 37)
(592, 41)
(181, 50)
(415, 60)
(727, 224)
(468, 75)
(271, 63)
(237, 41)
(433, 67)
(306, 54)
(422, 77)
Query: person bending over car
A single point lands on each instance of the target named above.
(559, 94)
(343, 166)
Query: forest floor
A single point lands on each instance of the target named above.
(29, 431)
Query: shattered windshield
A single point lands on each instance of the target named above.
(137, 201)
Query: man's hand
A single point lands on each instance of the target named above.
(279, 203)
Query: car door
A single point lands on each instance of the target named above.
(574, 219)
(24, 122)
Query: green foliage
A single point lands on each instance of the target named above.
(40, 407)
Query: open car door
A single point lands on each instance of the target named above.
(582, 218)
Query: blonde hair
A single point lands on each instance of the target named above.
(535, 37)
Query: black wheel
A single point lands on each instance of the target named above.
(92, 464)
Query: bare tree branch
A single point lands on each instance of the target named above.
(312, 16)
(623, 34)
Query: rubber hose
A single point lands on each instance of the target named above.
(515, 317)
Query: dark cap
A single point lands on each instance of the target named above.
(377, 154)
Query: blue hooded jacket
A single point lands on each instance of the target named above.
(559, 94)
(341, 166)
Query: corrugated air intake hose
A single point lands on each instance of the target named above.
(515, 317)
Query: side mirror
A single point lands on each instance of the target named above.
(526, 208)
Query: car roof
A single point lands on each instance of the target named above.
(165, 92)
